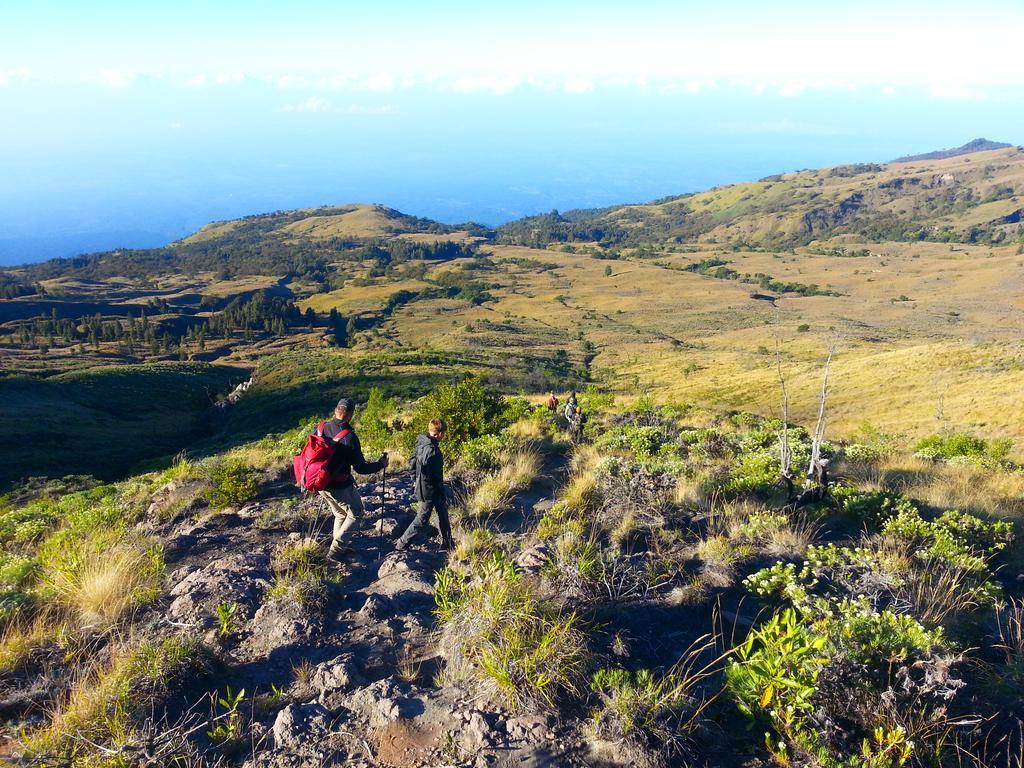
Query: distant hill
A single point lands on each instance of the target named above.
(978, 145)
(973, 198)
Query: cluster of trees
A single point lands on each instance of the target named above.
(11, 287)
(718, 268)
(253, 246)
(260, 312)
(132, 335)
(539, 231)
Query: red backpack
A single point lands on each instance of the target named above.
(310, 465)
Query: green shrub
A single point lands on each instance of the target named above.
(484, 453)
(775, 670)
(957, 446)
(873, 508)
(468, 409)
(375, 420)
(755, 474)
(231, 482)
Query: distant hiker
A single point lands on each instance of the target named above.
(570, 407)
(428, 464)
(552, 403)
(576, 425)
(341, 494)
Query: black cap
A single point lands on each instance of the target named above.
(346, 404)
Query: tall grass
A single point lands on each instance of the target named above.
(498, 633)
(101, 708)
(518, 470)
(107, 584)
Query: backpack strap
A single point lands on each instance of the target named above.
(320, 429)
(342, 435)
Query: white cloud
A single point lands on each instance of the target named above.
(373, 109)
(578, 85)
(956, 92)
(381, 82)
(312, 104)
(228, 78)
(196, 81)
(175, 126)
(111, 78)
(486, 84)
(10, 76)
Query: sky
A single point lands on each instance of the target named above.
(127, 124)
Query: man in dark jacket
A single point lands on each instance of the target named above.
(343, 496)
(428, 464)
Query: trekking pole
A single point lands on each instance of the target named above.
(380, 524)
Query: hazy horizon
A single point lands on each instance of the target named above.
(133, 126)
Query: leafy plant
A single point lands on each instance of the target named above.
(231, 482)
(226, 618)
(227, 726)
(775, 669)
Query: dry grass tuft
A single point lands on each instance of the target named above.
(102, 706)
(519, 468)
(936, 593)
(20, 641)
(106, 585)
(945, 486)
(528, 430)
(690, 493)
(791, 539)
(584, 459)
(580, 493)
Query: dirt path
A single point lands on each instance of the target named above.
(357, 662)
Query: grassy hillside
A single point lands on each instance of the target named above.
(654, 596)
(105, 421)
(974, 197)
(688, 296)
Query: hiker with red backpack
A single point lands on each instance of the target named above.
(325, 466)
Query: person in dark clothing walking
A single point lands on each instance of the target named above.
(342, 496)
(428, 464)
(570, 407)
(576, 425)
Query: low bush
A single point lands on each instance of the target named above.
(469, 411)
(231, 482)
(958, 446)
(498, 632)
(485, 453)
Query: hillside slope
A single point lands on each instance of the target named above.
(972, 197)
(690, 295)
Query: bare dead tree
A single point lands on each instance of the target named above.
(817, 469)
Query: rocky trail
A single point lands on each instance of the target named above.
(349, 675)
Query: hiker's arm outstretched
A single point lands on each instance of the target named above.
(359, 462)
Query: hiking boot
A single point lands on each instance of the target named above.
(338, 554)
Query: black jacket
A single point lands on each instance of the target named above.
(428, 462)
(348, 454)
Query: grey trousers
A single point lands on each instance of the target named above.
(347, 506)
(439, 505)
